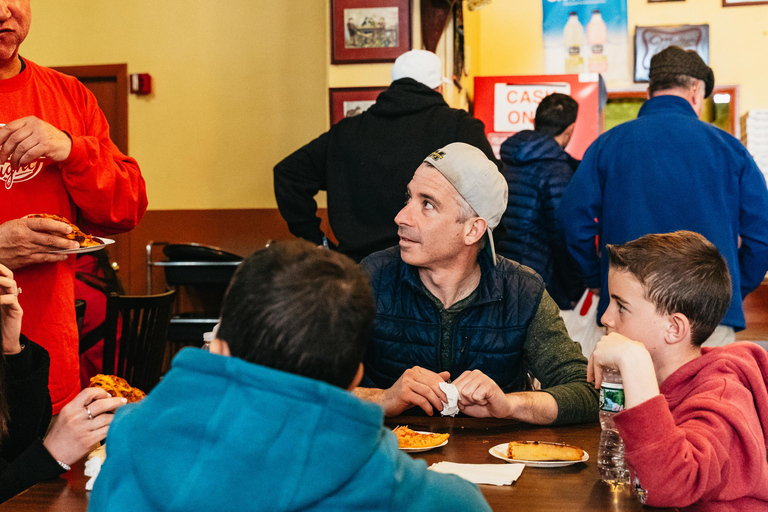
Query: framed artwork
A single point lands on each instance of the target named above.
(351, 101)
(651, 40)
(733, 3)
(369, 30)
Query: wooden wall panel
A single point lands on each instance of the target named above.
(237, 231)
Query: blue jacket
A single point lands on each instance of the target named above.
(538, 170)
(219, 433)
(662, 172)
(489, 334)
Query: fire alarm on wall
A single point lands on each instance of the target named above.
(141, 83)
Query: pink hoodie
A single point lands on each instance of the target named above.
(702, 443)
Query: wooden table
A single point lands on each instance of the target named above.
(574, 488)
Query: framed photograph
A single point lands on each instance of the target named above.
(651, 40)
(734, 3)
(369, 30)
(351, 101)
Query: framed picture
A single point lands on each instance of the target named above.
(651, 40)
(733, 3)
(369, 30)
(351, 101)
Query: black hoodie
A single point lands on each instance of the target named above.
(365, 163)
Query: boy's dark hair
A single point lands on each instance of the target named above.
(681, 272)
(299, 309)
(555, 113)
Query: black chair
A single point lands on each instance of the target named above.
(143, 337)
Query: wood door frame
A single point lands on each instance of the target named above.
(118, 73)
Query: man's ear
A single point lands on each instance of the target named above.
(220, 347)
(357, 379)
(474, 230)
(679, 329)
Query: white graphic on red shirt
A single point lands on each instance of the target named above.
(10, 176)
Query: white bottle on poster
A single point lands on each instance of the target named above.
(597, 37)
(573, 38)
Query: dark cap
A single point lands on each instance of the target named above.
(676, 61)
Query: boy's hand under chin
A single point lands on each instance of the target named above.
(632, 360)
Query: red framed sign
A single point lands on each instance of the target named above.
(507, 105)
(351, 101)
(369, 30)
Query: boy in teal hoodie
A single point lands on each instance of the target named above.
(266, 420)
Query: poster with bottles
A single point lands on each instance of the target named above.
(587, 36)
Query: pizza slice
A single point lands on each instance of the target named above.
(77, 234)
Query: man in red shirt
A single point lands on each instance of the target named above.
(56, 157)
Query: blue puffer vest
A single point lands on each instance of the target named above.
(488, 335)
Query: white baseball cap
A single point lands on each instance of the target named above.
(421, 65)
(477, 180)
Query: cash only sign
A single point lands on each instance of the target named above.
(507, 105)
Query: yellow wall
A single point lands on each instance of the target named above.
(506, 39)
(238, 85)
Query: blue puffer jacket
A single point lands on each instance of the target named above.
(489, 334)
(538, 171)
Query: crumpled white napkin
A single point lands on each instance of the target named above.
(451, 408)
(92, 468)
(493, 474)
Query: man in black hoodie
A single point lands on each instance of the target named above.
(538, 170)
(365, 162)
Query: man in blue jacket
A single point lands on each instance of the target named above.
(666, 171)
(448, 307)
(266, 420)
(538, 170)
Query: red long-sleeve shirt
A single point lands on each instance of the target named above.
(97, 187)
(702, 441)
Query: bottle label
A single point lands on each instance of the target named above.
(611, 397)
(574, 50)
(597, 49)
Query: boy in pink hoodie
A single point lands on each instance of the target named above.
(694, 417)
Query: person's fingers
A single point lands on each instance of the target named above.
(12, 142)
(25, 151)
(426, 406)
(428, 393)
(8, 285)
(86, 396)
(598, 374)
(99, 435)
(444, 375)
(5, 271)
(106, 405)
(461, 379)
(43, 224)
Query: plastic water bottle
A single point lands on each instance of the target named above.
(610, 457)
(207, 339)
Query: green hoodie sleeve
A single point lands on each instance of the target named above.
(557, 362)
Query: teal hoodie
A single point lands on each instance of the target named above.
(219, 433)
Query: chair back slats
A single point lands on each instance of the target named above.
(138, 356)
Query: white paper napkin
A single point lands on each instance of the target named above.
(451, 408)
(493, 474)
(92, 468)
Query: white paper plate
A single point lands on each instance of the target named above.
(424, 448)
(500, 452)
(104, 242)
